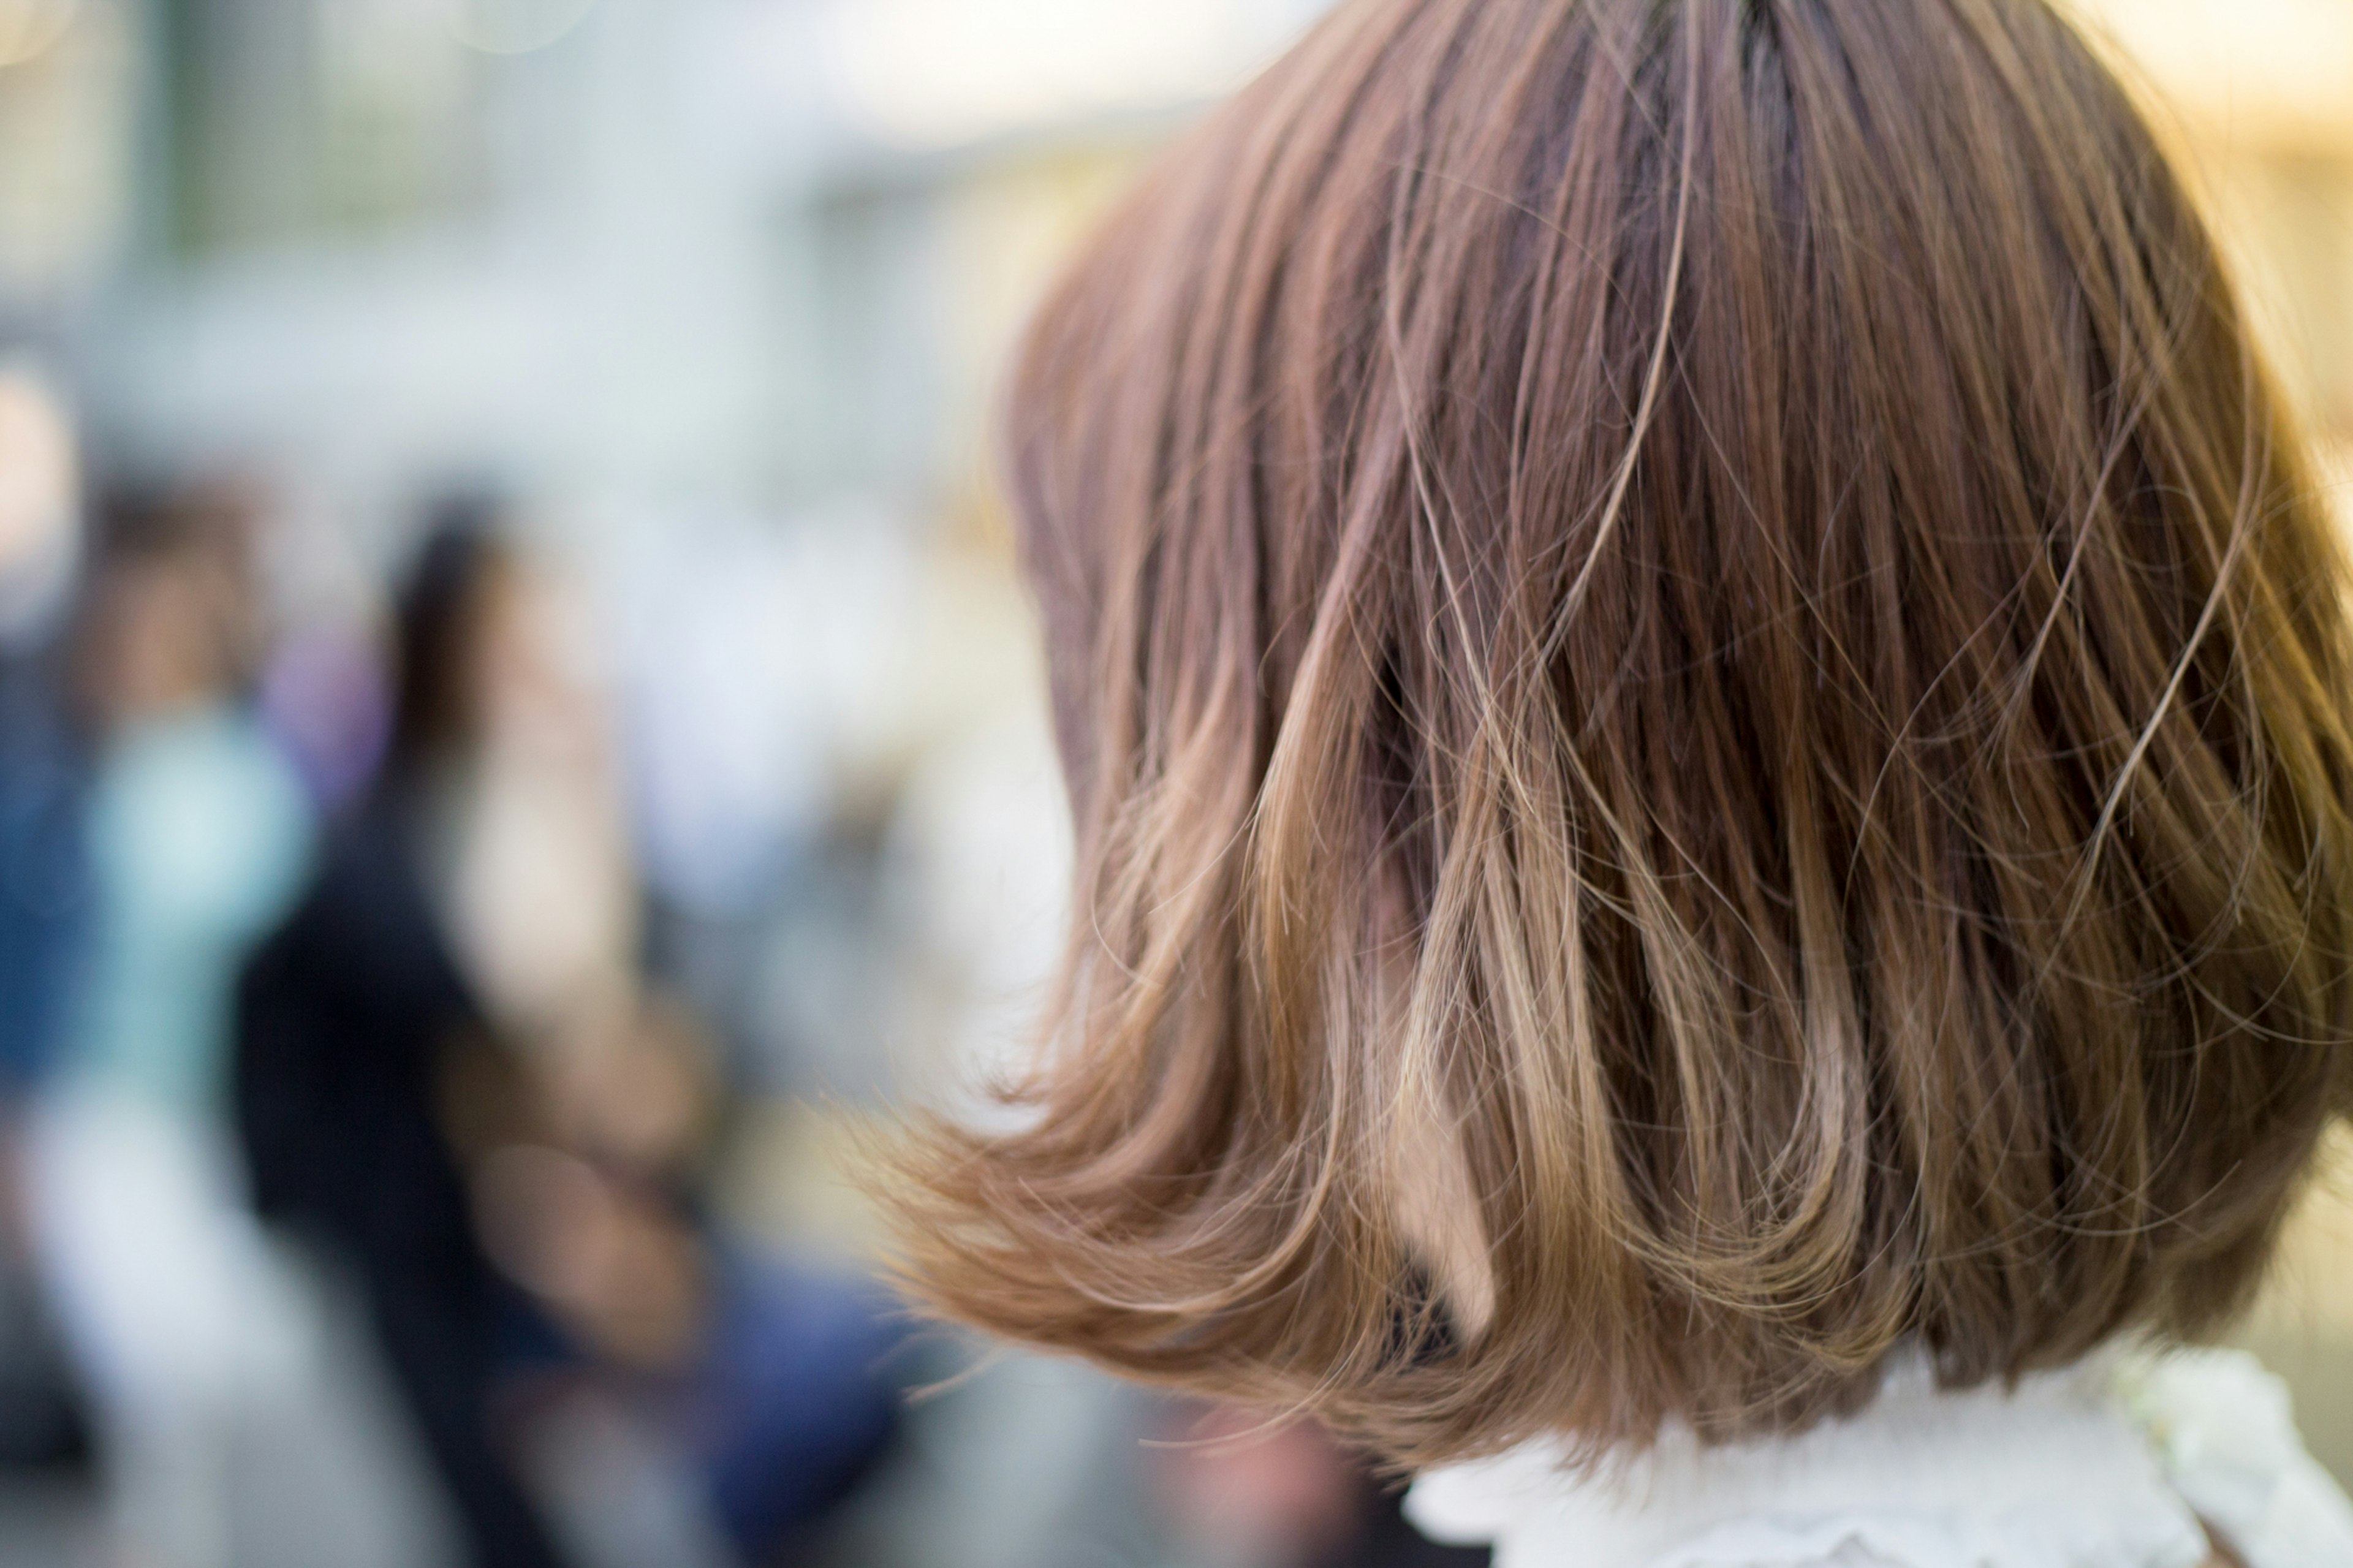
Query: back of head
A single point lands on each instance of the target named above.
(1706, 700)
(171, 612)
(438, 627)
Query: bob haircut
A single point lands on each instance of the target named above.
(1707, 698)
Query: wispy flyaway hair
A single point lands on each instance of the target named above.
(1706, 697)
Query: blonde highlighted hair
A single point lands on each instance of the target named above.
(1706, 696)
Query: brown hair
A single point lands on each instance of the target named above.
(1706, 696)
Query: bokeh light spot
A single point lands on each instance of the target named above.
(514, 26)
(41, 485)
(29, 27)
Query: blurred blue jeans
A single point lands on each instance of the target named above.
(797, 1398)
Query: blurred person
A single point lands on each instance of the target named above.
(1709, 704)
(352, 1019)
(43, 868)
(449, 1066)
(775, 1379)
(184, 1323)
(44, 874)
(45, 899)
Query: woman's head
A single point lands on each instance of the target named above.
(479, 647)
(1706, 700)
(447, 605)
(170, 613)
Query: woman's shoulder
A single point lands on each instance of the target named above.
(2120, 1462)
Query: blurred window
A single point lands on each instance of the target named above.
(303, 119)
(67, 114)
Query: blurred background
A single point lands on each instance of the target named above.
(519, 735)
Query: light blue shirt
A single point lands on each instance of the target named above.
(200, 837)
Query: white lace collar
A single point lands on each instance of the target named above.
(2108, 1465)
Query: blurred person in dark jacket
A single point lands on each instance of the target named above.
(349, 1018)
(450, 1068)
